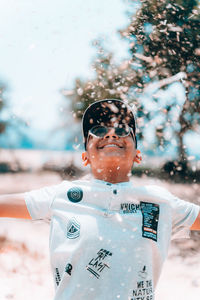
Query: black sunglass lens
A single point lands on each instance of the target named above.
(122, 131)
(99, 131)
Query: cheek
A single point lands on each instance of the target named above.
(92, 151)
(131, 152)
(131, 147)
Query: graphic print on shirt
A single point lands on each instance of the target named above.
(129, 208)
(143, 273)
(68, 269)
(97, 264)
(150, 214)
(75, 194)
(73, 229)
(57, 276)
(143, 290)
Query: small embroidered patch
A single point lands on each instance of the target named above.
(73, 229)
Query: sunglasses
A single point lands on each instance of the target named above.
(101, 131)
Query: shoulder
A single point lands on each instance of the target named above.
(72, 186)
(155, 192)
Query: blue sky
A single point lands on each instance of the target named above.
(45, 44)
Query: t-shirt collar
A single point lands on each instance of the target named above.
(120, 184)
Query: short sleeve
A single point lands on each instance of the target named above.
(39, 201)
(184, 215)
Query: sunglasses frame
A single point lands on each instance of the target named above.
(101, 137)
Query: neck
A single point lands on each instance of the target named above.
(112, 175)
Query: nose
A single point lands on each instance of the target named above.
(111, 134)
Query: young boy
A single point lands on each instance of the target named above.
(108, 238)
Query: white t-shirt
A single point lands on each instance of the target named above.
(109, 241)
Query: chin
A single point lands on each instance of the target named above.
(112, 161)
(112, 153)
(112, 156)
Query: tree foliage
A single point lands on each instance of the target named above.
(164, 39)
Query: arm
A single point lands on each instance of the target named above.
(13, 206)
(196, 224)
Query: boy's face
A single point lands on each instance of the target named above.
(110, 153)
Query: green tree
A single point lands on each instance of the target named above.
(164, 39)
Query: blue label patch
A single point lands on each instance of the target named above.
(150, 213)
(75, 194)
(73, 229)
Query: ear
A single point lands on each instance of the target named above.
(85, 159)
(138, 157)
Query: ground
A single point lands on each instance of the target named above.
(24, 261)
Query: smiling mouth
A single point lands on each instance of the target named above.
(110, 146)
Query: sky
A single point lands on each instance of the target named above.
(46, 44)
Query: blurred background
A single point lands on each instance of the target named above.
(57, 57)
